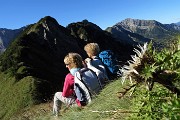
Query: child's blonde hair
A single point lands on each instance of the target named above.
(75, 59)
(92, 48)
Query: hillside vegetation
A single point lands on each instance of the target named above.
(14, 99)
(150, 90)
(33, 62)
(159, 103)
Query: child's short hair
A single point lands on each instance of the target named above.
(75, 59)
(92, 48)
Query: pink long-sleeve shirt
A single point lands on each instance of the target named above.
(68, 88)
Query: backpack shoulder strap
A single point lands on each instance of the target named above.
(80, 78)
(77, 80)
(97, 57)
(95, 75)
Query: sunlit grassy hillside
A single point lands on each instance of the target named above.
(136, 104)
(106, 105)
(14, 95)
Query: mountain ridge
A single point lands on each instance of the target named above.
(141, 31)
(133, 25)
(127, 33)
(87, 32)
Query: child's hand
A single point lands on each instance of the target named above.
(87, 60)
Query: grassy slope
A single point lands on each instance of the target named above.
(106, 105)
(13, 99)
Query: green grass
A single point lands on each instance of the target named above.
(16, 103)
(105, 106)
(15, 95)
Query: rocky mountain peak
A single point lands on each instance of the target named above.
(138, 22)
(47, 23)
(133, 24)
(85, 23)
(144, 31)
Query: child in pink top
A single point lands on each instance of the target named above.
(73, 62)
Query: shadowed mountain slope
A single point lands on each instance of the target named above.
(39, 52)
(88, 32)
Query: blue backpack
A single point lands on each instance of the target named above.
(110, 62)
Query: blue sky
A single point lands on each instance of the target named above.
(104, 13)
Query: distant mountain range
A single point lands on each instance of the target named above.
(7, 35)
(131, 31)
(140, 31)
(178, 23)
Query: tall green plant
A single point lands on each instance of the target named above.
(146, 68)
(155, 105)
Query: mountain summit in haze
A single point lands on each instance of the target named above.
(144, 30)
(178, 23)
(7, 35)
